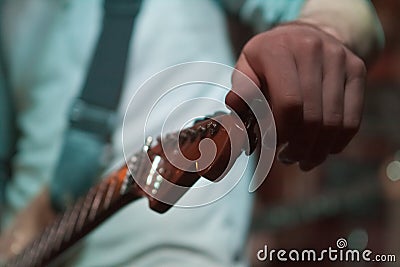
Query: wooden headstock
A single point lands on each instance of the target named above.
(177, 161)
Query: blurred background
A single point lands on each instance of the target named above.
(350, 196)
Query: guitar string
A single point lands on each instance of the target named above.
(72, 222)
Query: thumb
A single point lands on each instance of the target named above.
(243, 89)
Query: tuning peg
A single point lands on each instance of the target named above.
(192, 134)
(183, 137)
(202, 131)
(212, 128)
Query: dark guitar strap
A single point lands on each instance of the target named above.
(8, 130)
(93, 114)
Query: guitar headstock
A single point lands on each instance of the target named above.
(166, 170)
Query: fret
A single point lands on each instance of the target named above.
(85, 209)
(24, 255)
(72, 220)
(40, 246)
(21, 261)
(97, 200)
(42, 243)
(51, 237)
(59, 236)
(110, 194)
(31, 251)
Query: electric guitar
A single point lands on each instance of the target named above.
(153, 173)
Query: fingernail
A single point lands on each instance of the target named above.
(284, 157)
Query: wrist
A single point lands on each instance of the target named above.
(354, 23)
(329, 29)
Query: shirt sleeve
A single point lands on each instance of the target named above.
(378, 27)
(7, 131)
(264, 14)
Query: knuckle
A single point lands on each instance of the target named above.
(254, 39)
(311, 43)
(254, 44)
(336, 51)
(265, 44)
(248, 48)
(357, 68)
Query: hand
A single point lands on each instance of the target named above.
(314, 85)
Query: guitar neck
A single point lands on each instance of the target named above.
(148, 174)
(86, 214)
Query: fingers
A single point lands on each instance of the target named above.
(281, 88)
(353, 102)
(339, 95)
(315, 87)
(309, 67)
(284, 91)
(333, 84)
(342, 101)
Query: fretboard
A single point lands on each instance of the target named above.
(85, 215)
